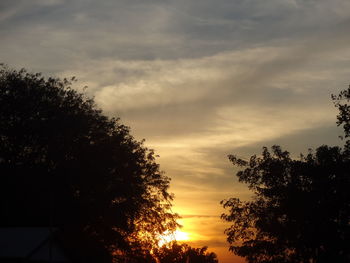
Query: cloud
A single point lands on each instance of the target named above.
(69, 32)
(210, 243)
(199, 216)
(204, 95)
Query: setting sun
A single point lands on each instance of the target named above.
(176, 236)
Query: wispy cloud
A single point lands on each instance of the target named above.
(199, 216)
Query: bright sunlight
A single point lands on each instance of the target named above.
(169, 237)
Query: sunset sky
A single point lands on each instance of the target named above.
(198, 79)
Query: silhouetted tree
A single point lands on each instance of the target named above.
(64, 163)
(341, 102)
(301, 208)
(183, 253)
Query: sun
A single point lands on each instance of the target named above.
(178, 235)
(181, 236)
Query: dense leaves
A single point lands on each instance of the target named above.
(183, 253)
(64, 163)
(301, 208)
(341, 101)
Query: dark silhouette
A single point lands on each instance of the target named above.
(66, 165)
(41, 244)
(301, 208)
(341, 102)
(183, 253)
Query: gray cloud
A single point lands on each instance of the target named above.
(71, 31)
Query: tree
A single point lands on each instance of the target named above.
(301, 208)
(341, 102)
(183, 253)
(63, 163)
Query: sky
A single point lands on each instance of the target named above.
(198, 79)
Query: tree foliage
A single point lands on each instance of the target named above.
(341, 102)
(301, 208)
(183, 253)
(64, 163)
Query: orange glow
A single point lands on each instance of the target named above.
(176, 236)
